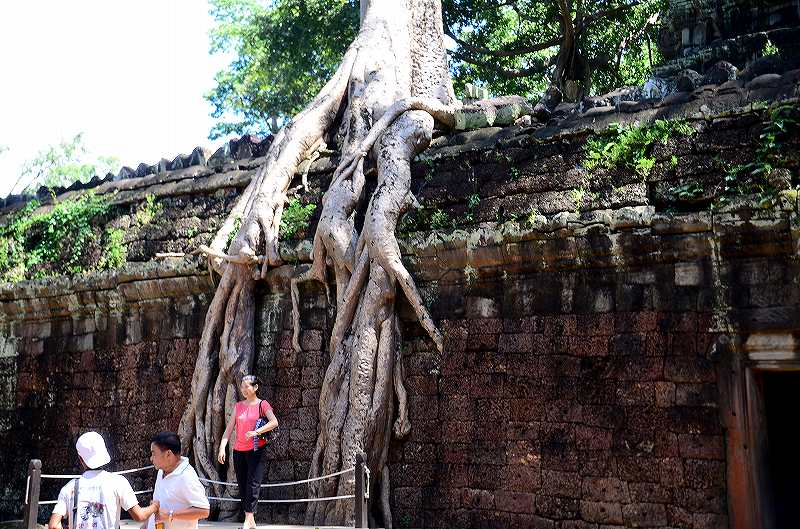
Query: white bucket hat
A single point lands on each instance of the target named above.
(92, 450)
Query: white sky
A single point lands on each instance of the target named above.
(129, 74)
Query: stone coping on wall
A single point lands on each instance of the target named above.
(436, 255)
(107, 290)
(710, 103)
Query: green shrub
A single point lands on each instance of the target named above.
(146, 212)
(295, 218)
(631, 146)
(440, 220)
(781, 123)
(61, 241)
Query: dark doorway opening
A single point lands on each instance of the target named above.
(782, 407)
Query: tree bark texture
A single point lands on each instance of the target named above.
(392, 84)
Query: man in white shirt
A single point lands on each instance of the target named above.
(101, 494)
(178, 490)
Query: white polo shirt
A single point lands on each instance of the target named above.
(180, 489)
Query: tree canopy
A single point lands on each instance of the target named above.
(63, 164)
(285, 50)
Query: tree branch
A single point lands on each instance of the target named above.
(541, 65)
(503, 52)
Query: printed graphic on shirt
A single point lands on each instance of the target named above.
(92, 516)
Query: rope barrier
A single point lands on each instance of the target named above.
(360, 475)
(326, 498)
(285, 484)
(53, 502)
(71, 476)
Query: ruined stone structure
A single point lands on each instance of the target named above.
(613, 352)
(693, 24)
(697, 33)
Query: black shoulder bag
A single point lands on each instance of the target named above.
(269, 436)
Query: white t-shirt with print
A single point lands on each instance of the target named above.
(178, 490)
(101, 497)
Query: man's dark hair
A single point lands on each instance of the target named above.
(167, 441)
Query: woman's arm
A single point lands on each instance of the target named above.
(227, 435)
(271, 425)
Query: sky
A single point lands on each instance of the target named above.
(130, 75)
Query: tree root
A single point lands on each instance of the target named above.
(395, 81)
(226, 350)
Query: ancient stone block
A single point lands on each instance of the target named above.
(605, 490)
(644, 515)
(557, 508)
(601, 512)
(566, 484)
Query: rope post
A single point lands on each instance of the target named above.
(360, 494)
(32, 487)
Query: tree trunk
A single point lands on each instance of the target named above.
(391, 84)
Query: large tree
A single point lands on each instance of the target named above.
(286, 49)
(522, 46)
(393, 83)
(61, 165)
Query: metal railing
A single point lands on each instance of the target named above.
(360, 494)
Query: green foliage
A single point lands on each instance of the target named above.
(430, 169)
(428, 217)
(511, 46)
(237, 225)
(295, 218)
(61, 165)
(782, 122)
(147, 211)
(631, 146)
(472, 204)
(577, 198)
(770, 49)
(61, 241)
(285, 50)
(116, 252)
(687, 192)
(440, 220)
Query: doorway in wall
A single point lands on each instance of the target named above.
(781, 401)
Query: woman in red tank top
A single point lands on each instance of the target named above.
(248, 449)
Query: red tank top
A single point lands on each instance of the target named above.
(246, 417)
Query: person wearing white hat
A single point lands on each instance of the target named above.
(95, 500)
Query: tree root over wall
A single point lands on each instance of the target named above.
(392, 84)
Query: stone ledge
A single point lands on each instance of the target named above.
(558, 242)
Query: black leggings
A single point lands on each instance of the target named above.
(249, 467)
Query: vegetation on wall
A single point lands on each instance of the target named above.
(148, 211)
(631, 146)
(64, 240)
(295, 218)
(775, 165)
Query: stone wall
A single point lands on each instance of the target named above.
(578, 383)
(113, 353)
(578, 387)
